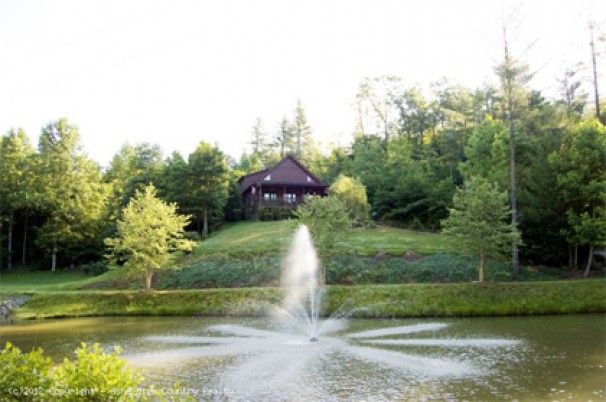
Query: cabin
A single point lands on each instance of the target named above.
(276, 192)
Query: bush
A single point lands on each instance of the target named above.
(105, 376)
(94, 376)
(227, 272)
(193, 236)
(23, 375)
(95, 268)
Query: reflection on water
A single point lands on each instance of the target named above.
(526, 358)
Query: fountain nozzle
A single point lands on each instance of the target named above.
(314, 339)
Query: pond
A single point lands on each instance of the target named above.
(523, 358)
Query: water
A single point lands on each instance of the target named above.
(295, 355)
(535, 358)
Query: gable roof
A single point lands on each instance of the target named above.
(287, 171)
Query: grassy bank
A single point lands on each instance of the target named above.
(244, 239)
(554, 297)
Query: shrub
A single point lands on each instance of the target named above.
(95, 268)
(105, 377)
(24, 376)
(94, 376)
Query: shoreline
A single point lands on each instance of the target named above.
(364, 301)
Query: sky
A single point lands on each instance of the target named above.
(175, 73)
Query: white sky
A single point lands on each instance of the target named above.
(178, 72)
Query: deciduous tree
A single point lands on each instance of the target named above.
(148, 232)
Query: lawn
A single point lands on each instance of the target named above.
(248, 238)
(26, 282)
(392, 241)
(244, 239)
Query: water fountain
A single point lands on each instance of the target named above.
(265, 363)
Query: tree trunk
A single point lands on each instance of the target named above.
(576, 256)
(512, 154)
(205, 223)
(24, 256)
(595, 77)
(570, 258)
(0, 242)
(589, 261)
(148, 279)
(514, 202)
(9, 257)
(54, 259)
(481, 273)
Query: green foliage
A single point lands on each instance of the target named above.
(477, 221)
(29, 371)
(95, 268)
(206, 186)
(581, 177)
(225, 273)
(94, 376)
(105, 375)
(327, 219)
(352, 194)
(487, 154)
(70, 190)
(149, 231)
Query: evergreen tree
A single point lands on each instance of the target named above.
(477, 222)
(514, 76)
(284, 140)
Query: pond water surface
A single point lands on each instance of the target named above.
(513, 358)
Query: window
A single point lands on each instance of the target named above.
(267, 178)
(270, 196)
(290, 198)
(310, 180)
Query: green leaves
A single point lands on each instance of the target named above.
(93, 376)
(477, 221)
(148, 232)
(353, 195)
(327, 220)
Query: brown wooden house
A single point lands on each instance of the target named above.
(275, 192)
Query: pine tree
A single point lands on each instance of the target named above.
(477, 222)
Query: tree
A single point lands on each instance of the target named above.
(15, 180)
(486, 152)
(352, 194)
(377, 111)
(305, 148)
(514, 76)
(327, 220)
(580, 164)
(477, 222)
(592, 27)
(71, 193)
(258, 139)
(148, 232)
(207, 184)
(284, 139)
(574, 98)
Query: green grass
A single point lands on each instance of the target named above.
(245, 239)
(393, 241)
(428, 300)
(25, 282)
(248, 238)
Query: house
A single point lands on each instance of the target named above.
(275, 192)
